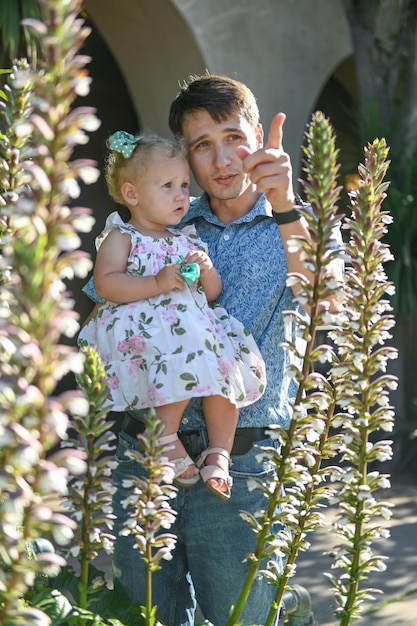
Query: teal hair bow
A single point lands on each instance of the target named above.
(123, 142)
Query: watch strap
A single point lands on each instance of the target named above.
(288, 216)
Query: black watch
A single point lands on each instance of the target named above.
(289, 216)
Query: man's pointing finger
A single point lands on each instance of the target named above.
(276, 132)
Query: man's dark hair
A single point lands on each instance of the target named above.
(219, 95)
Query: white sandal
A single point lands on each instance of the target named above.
(213, 471)
(180, 465)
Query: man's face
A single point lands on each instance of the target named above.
(212, 152)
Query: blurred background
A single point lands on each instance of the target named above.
(355, 61)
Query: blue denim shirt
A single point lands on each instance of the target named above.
(250, 258)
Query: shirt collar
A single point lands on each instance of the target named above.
(200, 207)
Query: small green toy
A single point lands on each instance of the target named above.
(190, 273)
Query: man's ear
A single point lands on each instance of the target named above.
(129, 194)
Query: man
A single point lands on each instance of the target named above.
(246, 215)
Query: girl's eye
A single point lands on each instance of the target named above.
(168, 185)
(185, 185)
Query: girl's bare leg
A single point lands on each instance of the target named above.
(221, 420)
(171, 414)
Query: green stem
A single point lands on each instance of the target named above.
(272, 502)
(84, 562)
(302, 520)
(359, 526)
(148, 594)
(149, 613)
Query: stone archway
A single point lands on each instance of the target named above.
(155, 48)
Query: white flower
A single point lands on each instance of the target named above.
(84, 223)
(62, 534)
(23, 128)
(252, 484)
(68, 241)
(74, 551)
(89, 175)
(379, 566)
(386, 513)
(82, 87)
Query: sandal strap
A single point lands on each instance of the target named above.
(162, 441)
(179, 465)
(222, 451)
(212, 471)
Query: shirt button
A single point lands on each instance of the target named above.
(226, 237)
(185, 420)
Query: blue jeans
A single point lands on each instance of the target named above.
(212, 541)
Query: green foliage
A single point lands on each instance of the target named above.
(401, 196)
(59, 597)
(16, 39)
(402, 236)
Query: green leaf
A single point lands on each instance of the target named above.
(10, 25)
(187, 376)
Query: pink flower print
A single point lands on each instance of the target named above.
(113, 382)
(223, 369)
(153, 392)
(133, 366)
(252, 395)
(171, 251)
(161, 257)
(201, 318)
(203, 390)
(155, 266)
(156, 396)
(221, 332)
(143, 404)
(152, 248)
(105, 318)
(140, 249)
(260, 368)
(137, 344)
(122, 346)
(169, 315)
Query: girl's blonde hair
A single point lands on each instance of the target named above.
(118, 169)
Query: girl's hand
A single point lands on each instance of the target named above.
(203, 260)
(169, 278)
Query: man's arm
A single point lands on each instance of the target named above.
(270, 169)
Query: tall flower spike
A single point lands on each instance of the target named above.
(149, 512)
(307, 441)
(38, 181)
(362, 387)
(90, 492)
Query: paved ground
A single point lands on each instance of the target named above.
(397, 606)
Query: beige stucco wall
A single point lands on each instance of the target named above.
(285, 50)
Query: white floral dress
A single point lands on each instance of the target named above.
(173, 346)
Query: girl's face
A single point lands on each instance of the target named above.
(159, 193)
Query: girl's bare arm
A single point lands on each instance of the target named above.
(111, 281)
